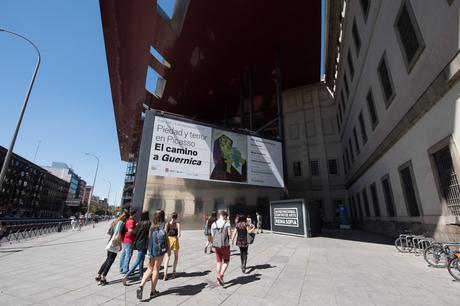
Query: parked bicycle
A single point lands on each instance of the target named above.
(437, 254)
(453, 265)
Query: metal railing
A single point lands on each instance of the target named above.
(24, 229)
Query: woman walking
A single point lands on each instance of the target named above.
(242, 229)
(207, 231)
(173, 230)
(141, 240)
(157, 247)
(113, 247)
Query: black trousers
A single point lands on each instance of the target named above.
(107, 263)
(244, 255)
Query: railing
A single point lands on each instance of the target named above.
(23, 229)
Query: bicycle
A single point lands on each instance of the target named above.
(437, 254)
(453, 266)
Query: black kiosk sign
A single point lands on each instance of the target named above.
(288, 217)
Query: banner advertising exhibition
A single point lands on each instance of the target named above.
(193, 151)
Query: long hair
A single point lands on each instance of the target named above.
(212, 219)
(159, 217)
(145, 216)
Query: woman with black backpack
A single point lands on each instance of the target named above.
(141, 240)
(242, 229)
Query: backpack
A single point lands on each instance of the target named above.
(220, 236)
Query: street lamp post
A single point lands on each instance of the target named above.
(94, 182)
(108, 196)
(26, 100)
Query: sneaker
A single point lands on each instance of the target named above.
(220, 279)
(125, 281)
(139, 293)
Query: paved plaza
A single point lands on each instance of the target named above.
(340, 268)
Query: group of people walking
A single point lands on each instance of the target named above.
(158, 240)
(154, 239)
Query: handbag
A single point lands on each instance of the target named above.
(114, 245)
(251, 238)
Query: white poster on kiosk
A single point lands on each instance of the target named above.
(193, 151)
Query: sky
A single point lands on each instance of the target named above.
(70, 110)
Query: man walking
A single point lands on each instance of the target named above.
(259, 223)
(127, 242)
(221, 233)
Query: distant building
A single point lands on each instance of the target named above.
(76, 184)
(29, 191)
(86, 194)
(130, 174)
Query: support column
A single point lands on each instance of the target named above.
(251, 100)
(241, 103)
(280, 113)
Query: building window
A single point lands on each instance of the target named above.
(375, 200)
(388, 196)
(347, 158)
(409, 35)
(332, 166)
(371, 109)
(351, 151)
(314, 167)
(343, 101)
(447, 179)
(358, 203)
(385, 81)
(345, 81)
(350, 65)
(297, 167)
(409, 189)
(356, 38)
(363, 128)
(365, 5)
(366, 202)
(355, 136)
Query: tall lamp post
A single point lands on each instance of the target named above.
(108, 196)
(26, 100)
(94, 182)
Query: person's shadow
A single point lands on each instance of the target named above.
(242, 280)
(182, 290)
(259, 267)
(192, 274)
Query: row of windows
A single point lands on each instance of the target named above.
(409, 190)
(412, 44)
(314, 168)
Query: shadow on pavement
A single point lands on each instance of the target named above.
(259, 267)
(242, 280)
(182, 290)
(356, 235)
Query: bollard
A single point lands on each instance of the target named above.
(59, 229)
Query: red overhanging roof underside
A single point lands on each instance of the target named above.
(210, 46)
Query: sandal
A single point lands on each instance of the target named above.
(97, 278)
(103, 282)
(174, 275)
(154, 293)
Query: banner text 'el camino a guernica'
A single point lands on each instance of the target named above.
(192, 151)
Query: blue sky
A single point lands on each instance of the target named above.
(70, 110)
